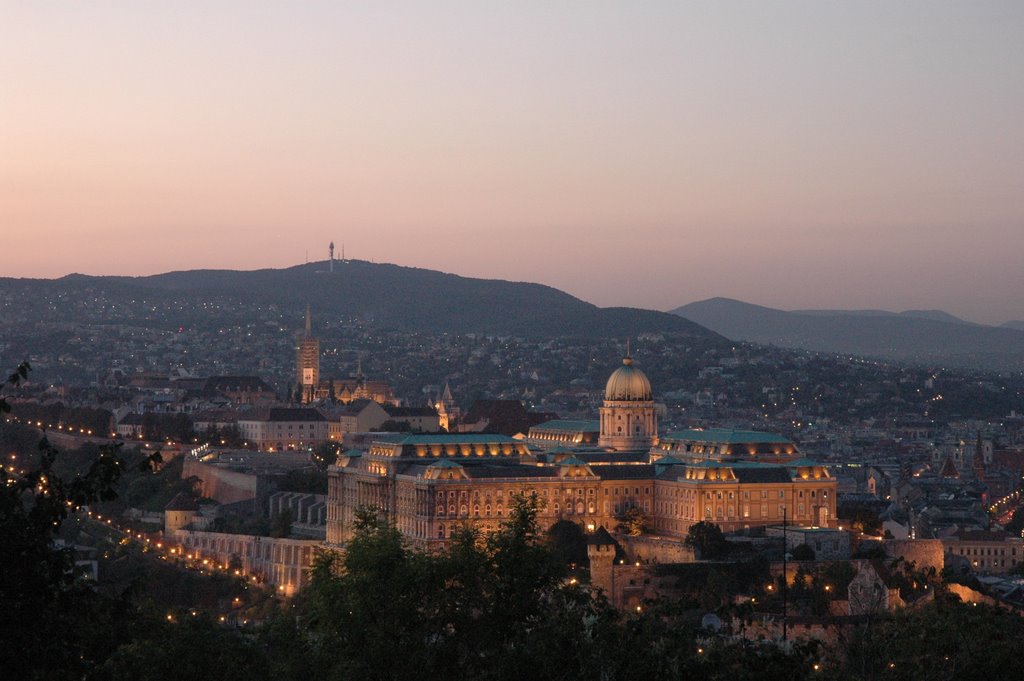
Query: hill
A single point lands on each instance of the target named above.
(390, 296)
(921, 337)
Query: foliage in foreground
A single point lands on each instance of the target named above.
(487, 607)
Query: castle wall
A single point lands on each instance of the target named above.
(650, 549)
(221, 484)
(924, 553)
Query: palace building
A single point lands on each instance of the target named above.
(589, 472)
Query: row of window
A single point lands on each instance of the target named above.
(1001, 551)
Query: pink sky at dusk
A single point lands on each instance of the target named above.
(798, 154)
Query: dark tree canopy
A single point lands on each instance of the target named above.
(707, 540)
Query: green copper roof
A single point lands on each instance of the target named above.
(803, 462)
(580, 426)
(456, 439)
(445, 463)
(732, 464)
(725, 435)
(572, 461)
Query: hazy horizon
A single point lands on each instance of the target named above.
(798, 155)
(338, 257)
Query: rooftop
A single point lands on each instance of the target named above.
(569, 425)
(724, 435)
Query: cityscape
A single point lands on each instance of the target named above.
(510, 363)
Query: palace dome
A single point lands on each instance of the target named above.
(627, 383)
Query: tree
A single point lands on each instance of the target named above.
(803, 552)
(63, 628)
(186, 647)
(1016, 524)
(281, 523)
(945, 639)
(569, 542)
(636, 521)
(707, 540)
(485, 607)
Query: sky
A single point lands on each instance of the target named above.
(791, 154)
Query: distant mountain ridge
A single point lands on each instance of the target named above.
(404, 298)
(918, 336)
(934, 315)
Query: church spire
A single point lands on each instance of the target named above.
(309, 323)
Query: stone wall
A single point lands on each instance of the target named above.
(923, 552)
(221, 484)
(654, 549)
(284, 563)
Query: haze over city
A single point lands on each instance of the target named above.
(507, 341)
(795, 155)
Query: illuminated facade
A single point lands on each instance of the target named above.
(628, 418)
(308, 363)
(429, 486)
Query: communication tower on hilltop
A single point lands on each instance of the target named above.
(331, 251)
